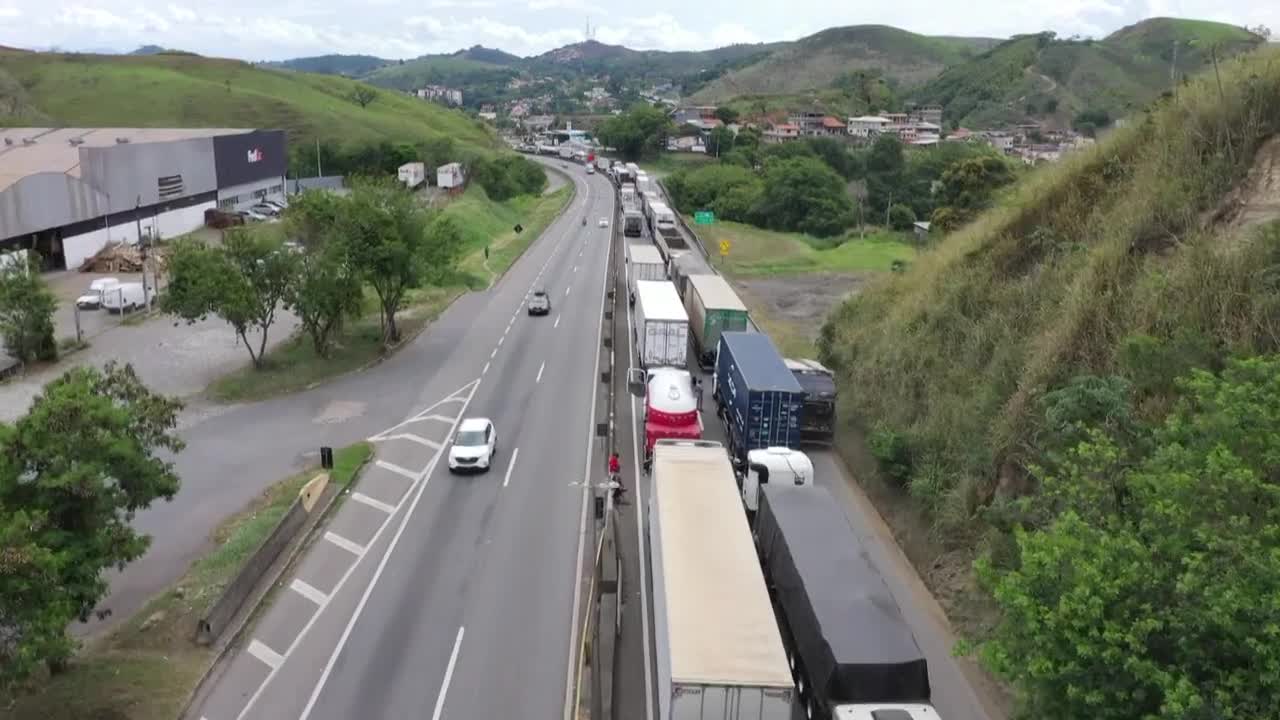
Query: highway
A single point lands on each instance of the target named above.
(442, 596)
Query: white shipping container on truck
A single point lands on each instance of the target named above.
(650, 198)
(412, 174)
(718, 649)
(449, 175)
(633, 168)
(661, 325)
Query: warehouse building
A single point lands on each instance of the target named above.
(66, 192)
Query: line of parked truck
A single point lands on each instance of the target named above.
(765, 605)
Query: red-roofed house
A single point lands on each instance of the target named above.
(833, 126)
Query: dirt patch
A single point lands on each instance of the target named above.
(803, 298)
(1256, 200)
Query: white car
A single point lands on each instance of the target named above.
(474, 446)
(92, 300)
(604, 222)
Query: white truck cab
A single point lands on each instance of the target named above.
(773, 465)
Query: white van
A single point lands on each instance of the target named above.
(125, 297)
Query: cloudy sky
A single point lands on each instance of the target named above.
(408, 28)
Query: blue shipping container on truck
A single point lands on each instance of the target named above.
(756, 394)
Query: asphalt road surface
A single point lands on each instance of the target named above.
(440, 596)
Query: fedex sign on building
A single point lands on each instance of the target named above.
(249, 157)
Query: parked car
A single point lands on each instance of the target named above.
(604, 222)
(266, 209)
(280, 205)
(92, 300)
(474, 446)
(252, 214)
(124, 297)
(540, 303)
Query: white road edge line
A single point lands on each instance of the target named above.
(639, 503)
(373, 582)
(373, 502)
(310, 592)
(570, 671)
(511, 466)
(448, 674)
(268, 656)
(541, 367)
(351, 547)
(392, 467)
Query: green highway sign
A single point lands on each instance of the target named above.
(704, 217)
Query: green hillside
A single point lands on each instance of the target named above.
(1040, 76)
(189, 91)
(1141, 258)
(451, 70)
(349, 65)
(818, 60)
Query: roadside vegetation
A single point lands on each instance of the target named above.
(26, 311)
(1076, 389)
(148, 666)
(486, 224)
(754, 251)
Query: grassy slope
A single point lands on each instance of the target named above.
(1119, 74)
(136, 674)
(1111, 243)
(436, 69)
(178, 91)
(485, 222)
(816, 61)
(755, 252)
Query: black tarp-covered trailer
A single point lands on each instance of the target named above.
(840, 622)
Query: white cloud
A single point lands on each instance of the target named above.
(577, 5)
(10, 12)
(474, 4)
(94, 18)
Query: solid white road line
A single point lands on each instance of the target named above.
(541, 367)
(448, 675)
(511, 466)
(570, 702)
(415, 438)
(309, 592)
(353, 548)
(373, 582)
(638, 501)
(392, 467)
(265, 654)
(373, 502)
(557, 323)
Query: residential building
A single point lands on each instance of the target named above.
(962, 135)
(783, 132)
(441, 94)
(537, 123)
(693, 113)
(921, 230)
(833, 126)
(808, 123)
(1000, 140)
(67, 192)
(931, 114)
(491, 116)
(896, 118)
(867, 126)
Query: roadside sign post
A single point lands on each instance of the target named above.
(724, 250)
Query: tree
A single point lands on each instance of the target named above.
(326, 292)
(1150, 590)
(901, 216)
(311, 217)
(970, 184)
(244, 282)
(720, 140)
(362, 95)
(886, 173)
(73, 472)
(640, 132)
(726, 115)
(26, 311)
(804, 195)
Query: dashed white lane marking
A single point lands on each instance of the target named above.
(493, 354)
(448, 675)
(485, 371)
(557, 322)
(511, 466)
(309, 592)
(415, 438)
(568, 289)
(502, 339)
(392, 467)
(541, 367)
(373, 502)
(265, 654)
(353, 548)
(575, 268)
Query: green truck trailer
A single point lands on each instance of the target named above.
(713, 308)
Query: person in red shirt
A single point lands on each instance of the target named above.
(615, 477)
(615, 465)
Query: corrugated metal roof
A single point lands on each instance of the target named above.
(644, 253)
(721, 625)
(716, 292)
(29, 151)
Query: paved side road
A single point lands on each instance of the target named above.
(424, 590)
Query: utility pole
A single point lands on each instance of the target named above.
(1173, 70)
(886, 211)
(319, 173)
